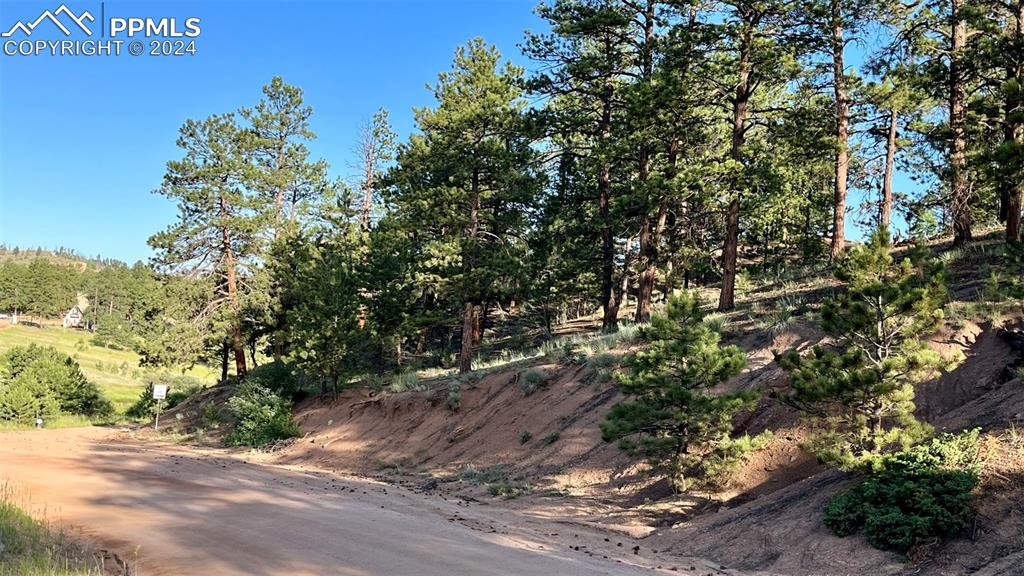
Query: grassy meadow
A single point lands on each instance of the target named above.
(116, 372)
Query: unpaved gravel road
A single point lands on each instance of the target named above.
(175, 510)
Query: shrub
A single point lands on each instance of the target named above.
(283, 379)
(532, 379)
(778, 317)
(180, 388)
(262, 416)
(914, 496)
(550, 438)
(374, 382)
(454, 395)
(406, 382)
(211, 415)
(604, 365)
(525, 436)
(508, 489)
(39, 381)
(489, 475)
(717, 322)
(495, 479)
(603, 360)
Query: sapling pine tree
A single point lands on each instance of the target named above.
(859, 392)
(671, 417)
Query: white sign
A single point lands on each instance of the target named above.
(159, 391)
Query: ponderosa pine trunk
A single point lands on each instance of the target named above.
(610, 321)
(627, 263)
(960, 202)
(885, 212)
(225, 352)
(469, 319)
(647, 253)
(1010, 209)
(231, 280)
(471, 305)
(842, 163)
(727, 298)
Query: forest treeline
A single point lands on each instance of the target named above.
(651, 145)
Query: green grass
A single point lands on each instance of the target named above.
(32, 548)
(116, 372)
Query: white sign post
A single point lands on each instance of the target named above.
(159, 393)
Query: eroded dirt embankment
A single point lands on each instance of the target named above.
(767, 519)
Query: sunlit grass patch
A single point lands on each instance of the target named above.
(116, 372)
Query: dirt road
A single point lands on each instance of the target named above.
(174, 510)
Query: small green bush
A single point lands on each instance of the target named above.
(179, 389)
(525, 436)
(454, 395)
(532, 379)
(550, 438)
(374, 382)
(915, 495)
(603, 360)
(487, 475)
(406, 382)
(778, 317)
(495, 479)
(211, 415)
(508, 489)
(262, 416)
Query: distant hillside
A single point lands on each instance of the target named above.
(61, 255)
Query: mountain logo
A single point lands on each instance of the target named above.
(27, 29)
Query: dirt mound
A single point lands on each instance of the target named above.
(204, 415)
(781, 534)
(551, 435)
(981, 354)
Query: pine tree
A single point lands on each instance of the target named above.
(277, 161)
(755, 54)
(830, 25)
(893, 103)
(464, 184)
(942, 36)
(218, 220)
(859, 392)
(671, 417)
(317, 274)
(584, 64)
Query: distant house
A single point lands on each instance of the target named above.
(74, 318)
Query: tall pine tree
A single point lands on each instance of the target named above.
(465, 183)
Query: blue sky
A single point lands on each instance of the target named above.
(84, 140)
